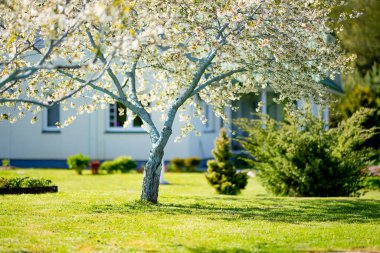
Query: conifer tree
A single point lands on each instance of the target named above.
(221, 173)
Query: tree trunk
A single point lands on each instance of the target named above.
(152, 173)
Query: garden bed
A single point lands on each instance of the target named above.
(29, 190)
(26, 185)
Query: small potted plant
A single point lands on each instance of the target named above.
(94, 166)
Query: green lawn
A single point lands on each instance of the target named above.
(100, 214)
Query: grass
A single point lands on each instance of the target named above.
(101, 214)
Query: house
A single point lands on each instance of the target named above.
(101, 136)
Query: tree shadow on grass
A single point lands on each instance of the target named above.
(289, 210)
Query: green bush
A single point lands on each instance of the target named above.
(190, 164)
(22, 182)
(36, 182)
(13, 183)
(108, 167)
(299, 157)
(221, 173)
(124, 163)
(360, 91)
(177, 165)
(372, 183)
(5, 163)
(78, 162)
(241, 160)
(121, 164)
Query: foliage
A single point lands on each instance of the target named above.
(22, 182)
(125, 163)
(177, 164)
(360, 92)
(190, 164)
(78, 162)
(221, 173)
(372, 183)
(299, 157)
(12, 183)
(361, 35)
(241, 160)
(36, 182)
(5, 163)
(108, 167)
(121, 164)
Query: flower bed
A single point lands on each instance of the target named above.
(26, 185)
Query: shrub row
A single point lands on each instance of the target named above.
(122, 164)
(190, 164)
(23, 182)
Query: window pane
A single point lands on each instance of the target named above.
(120, 115)
(117, 119)
(53, 115)
(137, 122)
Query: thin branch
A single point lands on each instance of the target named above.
(137, 108)
(26, 72)
(217, 79)
(132, 87)
(20, 100)
(109, 70)
(51, 103)
(8, 87)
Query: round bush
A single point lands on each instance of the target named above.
(299, 157)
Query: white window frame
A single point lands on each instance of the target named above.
(45, 120)
(208, 113)
(121, 129)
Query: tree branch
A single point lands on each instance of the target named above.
(51, 103)
(78, 79)
(26, 72)
(216, 79)
(137, 108)
(109, 70)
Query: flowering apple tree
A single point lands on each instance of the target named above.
(160, 56)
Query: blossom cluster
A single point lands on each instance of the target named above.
(161, 56)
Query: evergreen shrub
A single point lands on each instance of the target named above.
(360, 91)
(300, 157)
(221, 173)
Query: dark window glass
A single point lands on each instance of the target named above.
(53, 116)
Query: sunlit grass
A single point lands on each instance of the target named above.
(101, 214)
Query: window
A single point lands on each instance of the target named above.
(51, 118)
(117, 116)
(209, 115)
